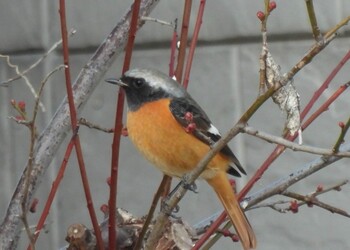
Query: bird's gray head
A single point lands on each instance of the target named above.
(146, 85)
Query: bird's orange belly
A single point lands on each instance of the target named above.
(165, 143)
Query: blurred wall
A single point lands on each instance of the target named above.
(224, 80)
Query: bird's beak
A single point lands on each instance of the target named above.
(117, 82)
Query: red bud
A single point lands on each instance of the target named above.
(22, 106)
(272, 6)
(341, 124)
(189, 116)
(33, 206)
(235, 238)
(125, 131)
(104, 208)
(190, 127)
(260, 15)
(319, 188)
(294, 207)
(108, 181)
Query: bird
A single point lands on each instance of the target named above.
(174, 133)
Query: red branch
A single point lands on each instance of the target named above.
(194, 43)
(112, 203)
(183, 40)
(325, 85)
(172, 51)
(73, 115)
(53, 190)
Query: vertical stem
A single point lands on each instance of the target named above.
(112, 203)
(73, 116)
(194, 42)
(183, 40)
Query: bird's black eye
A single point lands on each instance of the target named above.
(138, 83)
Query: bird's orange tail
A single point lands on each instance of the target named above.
(224, 191)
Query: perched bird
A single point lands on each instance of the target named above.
(173, 132)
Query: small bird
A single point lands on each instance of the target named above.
(174, 133)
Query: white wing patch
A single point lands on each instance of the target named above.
(213, 130)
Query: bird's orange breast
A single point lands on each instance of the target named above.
(164, 142)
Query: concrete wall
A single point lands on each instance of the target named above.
(224, 80)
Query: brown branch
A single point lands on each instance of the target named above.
(84, 122)
(312, 200)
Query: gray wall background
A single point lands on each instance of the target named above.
(224, 80)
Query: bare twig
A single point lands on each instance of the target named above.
(24, 72)
(83, 121)
(344, 129)
(26, 80)
(313, 20)
(151, 19)
(312, 200)
(31, 125)
(291, 145)
(309, 199)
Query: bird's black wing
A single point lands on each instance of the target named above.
(185, 107)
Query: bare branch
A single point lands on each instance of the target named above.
(291, 145)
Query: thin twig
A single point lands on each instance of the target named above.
(24, 72)
(31, 125)
(152, 19)
(291, 145)
(344, 129)
(26, 80)
(312, 200)
(313, 20)
(83, 121)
